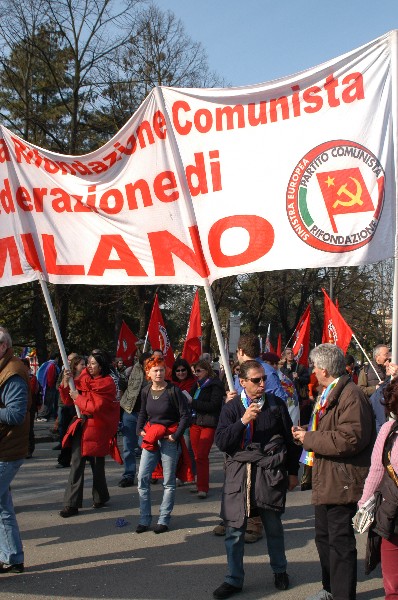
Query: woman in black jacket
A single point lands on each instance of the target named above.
(207, 398)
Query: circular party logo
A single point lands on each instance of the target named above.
(335, 196)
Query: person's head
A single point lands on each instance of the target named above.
(349, 363)
(119, 364)
(55, 356)
(99, 363)
(248, 347)
(77, 365)
(144, 356)
(5, 341)
(71, 355)
(236, 368)
(381, 353)
(329, 363)
(289, 355)
(203, 369)
(205, 356)
(391, 397)
(252, 378)
(271, 358)
(181, 370)
(157, 353)
(155, 369)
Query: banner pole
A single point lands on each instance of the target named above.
(217, 331)
(394, 95)
(367, 358)
(57, 332)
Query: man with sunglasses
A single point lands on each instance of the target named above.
(254, 431)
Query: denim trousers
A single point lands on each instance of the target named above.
(11, 551)
(130, 439)
(168, 454)
(235, 546)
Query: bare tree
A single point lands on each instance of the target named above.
(159, 52)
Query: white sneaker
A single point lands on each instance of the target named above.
(202, 495)
(321, 595)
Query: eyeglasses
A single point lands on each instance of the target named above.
(180, 370)
(256, 380)
(199, 370)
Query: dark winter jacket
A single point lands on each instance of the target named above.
(368, 380)
(255, 477)
(208, 404)
(272, 452)
(342, 444)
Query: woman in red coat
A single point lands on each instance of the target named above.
(92, 435)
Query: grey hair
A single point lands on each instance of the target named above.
(376, 349)
(5, 337)
(330, 358)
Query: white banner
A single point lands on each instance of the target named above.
(205, 183)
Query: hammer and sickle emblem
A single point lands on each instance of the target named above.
(355, 198)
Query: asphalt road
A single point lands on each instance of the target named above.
(89, 557)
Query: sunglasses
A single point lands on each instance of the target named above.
(256, 380)
(180, 370)
(199, 370)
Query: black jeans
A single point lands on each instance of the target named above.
(74, 489)
(335, 541)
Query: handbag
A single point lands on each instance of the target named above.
(364, 517)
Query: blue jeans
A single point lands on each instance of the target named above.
(235, 547)
(168, 454)
(130, 439)
(11, 551)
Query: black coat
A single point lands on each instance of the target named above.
(268, 477)
(208, 404)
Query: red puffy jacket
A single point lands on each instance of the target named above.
(97, 400)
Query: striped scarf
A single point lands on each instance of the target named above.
(307, 457)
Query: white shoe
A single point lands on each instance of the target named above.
(321, 595)
(202, 495)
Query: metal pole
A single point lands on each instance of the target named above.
(394, 95)
(367, 358)
(217, 330)
(57, 332)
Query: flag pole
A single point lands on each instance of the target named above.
(217, 331)
(57, 332)
(394, 94)
(367, 357)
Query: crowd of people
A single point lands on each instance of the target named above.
(340, 424)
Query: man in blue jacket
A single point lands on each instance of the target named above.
(14, 437)
(254, 431)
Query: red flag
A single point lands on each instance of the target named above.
(279, 345)
(301, 336)
(268, 345)
(193, 342)
(126, 344)
(157, 334)
(344, 191)
(335, 329)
